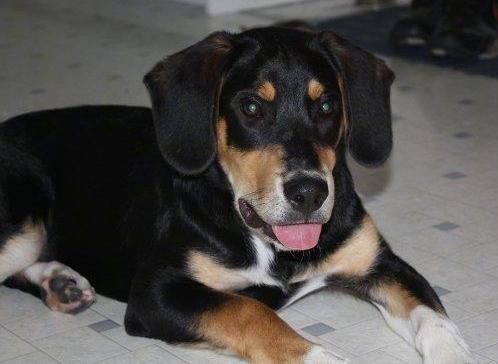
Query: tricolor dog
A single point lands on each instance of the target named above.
(229, 199)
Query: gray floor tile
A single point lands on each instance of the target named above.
(446, 226)
(104, 325)
(318, 329)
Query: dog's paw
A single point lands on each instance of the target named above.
(320, 355)
(66, 294)
(440, 342)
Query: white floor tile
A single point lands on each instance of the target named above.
(36, 357)
(149, 355)
(81, 345)
(449, 275)
(363, 337)
(110, 308)
(376, 357)
(480, 331)
(491, 352)
(11, 346)
(336, 309)
(48, 323)
(479, 298)
(403, 351)
(191, 355)
(480, 257)
(131, 343)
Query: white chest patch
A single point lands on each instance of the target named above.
(259, 273)
(206, 269)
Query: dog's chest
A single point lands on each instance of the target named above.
(207, 270)
(260, 272)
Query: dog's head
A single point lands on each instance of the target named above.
(276, 108)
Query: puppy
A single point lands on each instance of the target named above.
(230, 199)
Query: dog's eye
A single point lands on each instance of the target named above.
(251, 108)
(326, 107)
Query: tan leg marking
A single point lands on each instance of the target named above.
(208, 271)
(267, 91)
(248, 171)
(252, 330)
(315, 89)
(354, 259)
(22, 250)
(396, 299)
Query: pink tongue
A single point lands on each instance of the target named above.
(298, 237)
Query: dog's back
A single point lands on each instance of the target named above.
(98, 155)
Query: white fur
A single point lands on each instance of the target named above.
(308, 287)
(434, 335)
(38, 272)
(438, 339)
(259, 274)
(319, 355)
(399, 325)
(21, 250)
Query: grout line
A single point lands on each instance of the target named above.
(175, 355)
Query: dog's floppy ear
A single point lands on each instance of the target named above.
(367, 82)
(184, 92)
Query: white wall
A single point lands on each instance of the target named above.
(226, 6)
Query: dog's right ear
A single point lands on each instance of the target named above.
(184, 91)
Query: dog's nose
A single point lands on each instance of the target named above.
(306, 194)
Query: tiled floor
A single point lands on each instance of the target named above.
(436, 200)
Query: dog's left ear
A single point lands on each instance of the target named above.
(184, 90)
(367, 83)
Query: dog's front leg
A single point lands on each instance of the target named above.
(176, 309)
(413, 310)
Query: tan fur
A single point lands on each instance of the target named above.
(208, 271)
(327, 158)
(22, 249)
(249, 171)
(315, 89)
(396, 299)
(344, 118)
(354, 259)
(267, 91)
(252, 330)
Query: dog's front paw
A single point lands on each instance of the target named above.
(320, 355)
(440, 342)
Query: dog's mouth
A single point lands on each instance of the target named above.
(292, 236)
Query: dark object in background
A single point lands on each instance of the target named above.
(370, 30)
(453, 28)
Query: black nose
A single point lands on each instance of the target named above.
(306, 194)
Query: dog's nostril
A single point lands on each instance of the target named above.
(306, 194)
(298, 198)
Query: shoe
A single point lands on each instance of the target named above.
(415, 29)
(465, 29)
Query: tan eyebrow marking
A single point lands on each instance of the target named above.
(267, 91)
(315, 89)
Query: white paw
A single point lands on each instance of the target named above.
(440, 342)
(319, 355)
